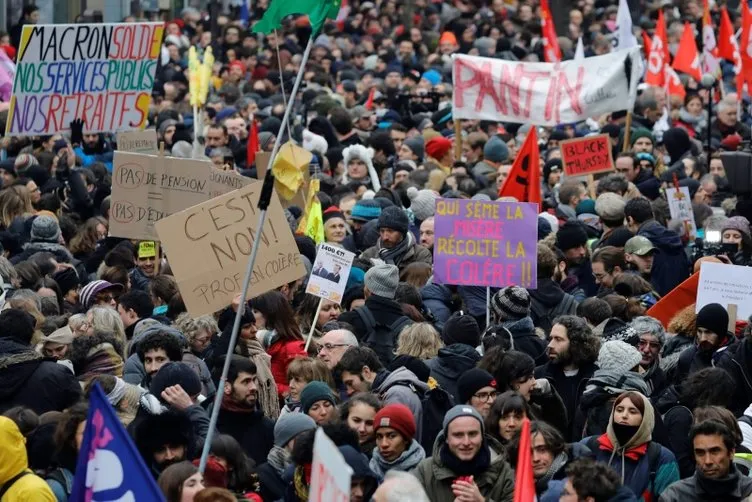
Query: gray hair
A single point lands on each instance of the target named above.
(192, 326)
(108, 320)
(707, 179)
(348, 337)
(27, 294)
(726, 104)
(646, 325)
(405, 488)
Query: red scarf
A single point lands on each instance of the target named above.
(604, 442)
(229, 405)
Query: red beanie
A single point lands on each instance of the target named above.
(397, 417)
(438, 147)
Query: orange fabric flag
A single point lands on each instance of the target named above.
(524, 482)
(647, 43)
(523, 182)
(658, 57)
(252, 145)
(678, 298)
(687, 58)
(675, 87)
(551, 49)
(728, 47)
(745, 46)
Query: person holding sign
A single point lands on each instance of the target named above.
(146, 265)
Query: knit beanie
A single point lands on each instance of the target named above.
(397, 417)
(366, 210)
(462, 410)
(471, 382)
(585, 206)
(45, 229)
(290, 425)
(511, 303)
(713, 317)
(739, 223)
(551, 165)
(618, 356)
(571, 235)
(315, 391)
(382, 280)
(438, 147)
(495, 150)
(175, 373)
(394, 218)
(422, 202)
(461, 328)
(641, 133)
(417, 146)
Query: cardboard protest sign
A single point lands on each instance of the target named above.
(226, 181)
(544, 94)
(330, 473)
(588, 155)
(727, 285)
(208, 246)
(330, 273)
(138, 141)
(484, 243)
(146, 188)
(680, 207)
(102, 74)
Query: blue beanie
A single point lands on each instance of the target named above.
(496, 150)
(366, 210)
(432, 76)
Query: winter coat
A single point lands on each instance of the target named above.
(551, 299)
(437, 298)
(671, 264)
(496, 484)
(383, 309)
(690, 489)
(573, 451)
(526, 340)
(693, 359)
(360, 469)
(474, 299)
(415, 254)
(450, 364)
(14, 461)
(631, 462)
(401, 386)
(720, 131)
(253, 431)
(739, 366)
(283, 352)
(139, 280)
(555, 488)
(648, 185)
(569, 388)
(30, 380)
(105, 156)
(61, 253)
(406, 462)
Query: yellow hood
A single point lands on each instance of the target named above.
(13, 451)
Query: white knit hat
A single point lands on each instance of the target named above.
(618, 356)
(366, 155)
(422, 202)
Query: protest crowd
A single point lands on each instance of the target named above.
(521, 287)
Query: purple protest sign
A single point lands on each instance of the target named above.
(483, 243)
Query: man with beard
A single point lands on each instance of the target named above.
(164, 439)
(427, 233)
(652, 338)
(713, 342)
(572, 239)
(638, 255)
(154, 351)
(548, 300)
(240, 415)
(91, 148)
(572, 351)
(396, 245)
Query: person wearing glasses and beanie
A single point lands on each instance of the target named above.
(477, 388)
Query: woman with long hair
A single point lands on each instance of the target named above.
(69, 435)
(84, 243)
(181, 482)
(507, 413)
(241, 475)
(15, 207)
(358, 413)
(419, 340)
(279, 334)
(330, 311)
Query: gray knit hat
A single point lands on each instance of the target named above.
(618, 356)
(382, 280)
(45, 229)
(422, 202)
(290, 425)
(511, 304)
(462, 410)
(417, 145)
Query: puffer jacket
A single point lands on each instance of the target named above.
(13, 463)
(496, 484)
(450, 364)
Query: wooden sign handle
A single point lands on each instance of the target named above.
(732, 312)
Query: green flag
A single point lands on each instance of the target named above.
(318, 11)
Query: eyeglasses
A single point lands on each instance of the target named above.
(107, 297)
(331, 346)
(486, 396)
(645, 343)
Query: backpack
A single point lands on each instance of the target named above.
(654, 457)
(436, 403)
(64, 479)
(544, 318)
(380, 337)
(9, 484)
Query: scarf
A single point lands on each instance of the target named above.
(229, 405)
(559, 461)
(102, 360)
(267, 388)
(117, 393)
(693, 120)
(300, 479)
(408, 460)
(605, 444)
(278, 458)
(719, 489)
(474, 467)
(395, 255)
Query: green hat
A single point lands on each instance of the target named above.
(641, 133)
(639, 245)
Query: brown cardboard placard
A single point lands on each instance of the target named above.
(219, 234)
(138, 141)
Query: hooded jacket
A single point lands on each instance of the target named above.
(14, 462)
(526, 340)
(437, 298)
(283, 352)
(401, 386)
(406, 462)
(450, 364)
(630, 460)
(739, 366)
(551, 299)
(360, 469)
(496, 483)
(670, 265)
(415, 253)
(30, 380)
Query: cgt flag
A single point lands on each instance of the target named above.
(523, 182)
(524, 483)
(107, 454)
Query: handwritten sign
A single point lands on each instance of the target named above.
(727, 285)
(102, 74)
(147, 249)
(138, 141)
(589, 155)
(208, 246)
(330, 473)
(330, 273)
(479, 243)
(146, 188)
(680, 208)
(542, 93)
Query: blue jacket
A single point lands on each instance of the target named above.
(671, 264)
(87, 160)
(438, 299)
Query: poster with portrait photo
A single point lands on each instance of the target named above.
(330, 272)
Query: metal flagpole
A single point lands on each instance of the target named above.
(263, 205)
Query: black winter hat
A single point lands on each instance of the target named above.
(471, 382)
(571, 235)
(175, 373)
(394, 218)
(461, 328)
(713, 317)
(417, 366)
(550, 166)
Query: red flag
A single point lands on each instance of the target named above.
(687, 58)
(369, 101)
(524, 482)
(728, 47)
(710, 63)
(646, 43)
(675, 87)
(675, 300)
(551, 50)
(658, 57)
(745, 46)
(523, 182)
(253, 145)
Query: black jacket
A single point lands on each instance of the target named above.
(647, 184)
(526, 340)
(693, 360)
(384, 310)
(272, 485)
(30, 380)
(671, 264)
(450, 364)
(551, 300)
(253, 431)
(738, 365)
(569, 388)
